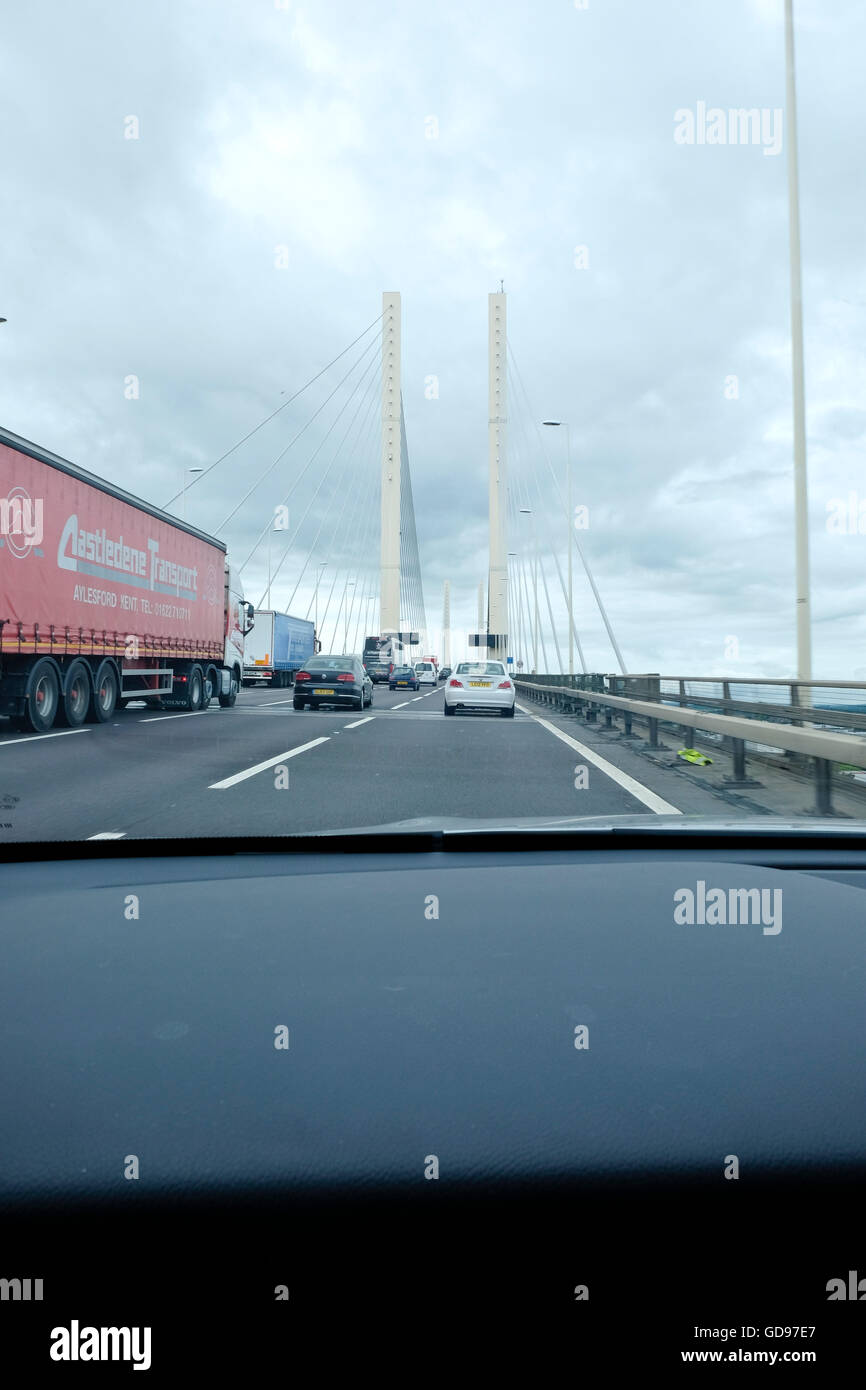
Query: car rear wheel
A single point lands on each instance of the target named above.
(297, 704)
(507, 713)
(449, 709)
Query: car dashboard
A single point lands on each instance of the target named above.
(389, 1081)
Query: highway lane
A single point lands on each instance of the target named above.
(264, 768)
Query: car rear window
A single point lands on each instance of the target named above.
(481, 668)
(331, 663)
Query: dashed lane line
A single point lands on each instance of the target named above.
(262, 767)
(34, 738)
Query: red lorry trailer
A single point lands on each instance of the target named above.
(105, 599)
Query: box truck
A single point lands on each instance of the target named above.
(278, 648)
(105, 599)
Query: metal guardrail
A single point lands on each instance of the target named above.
(595, 693)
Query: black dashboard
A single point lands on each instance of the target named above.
(608, 1084)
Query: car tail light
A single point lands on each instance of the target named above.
(303, 676)
(347, 677)
(459, 684)
(505, 685)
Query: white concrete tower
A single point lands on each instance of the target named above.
(497, 586)
(389, 577)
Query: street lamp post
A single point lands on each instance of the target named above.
(527, 511)
(350, 584)
(316, 599)
(801, 501)
(564, 423)
(183, 479)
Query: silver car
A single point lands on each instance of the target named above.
(480, 685)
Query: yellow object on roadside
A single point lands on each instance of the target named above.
(691, 755)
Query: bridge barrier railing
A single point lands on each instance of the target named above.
(824, 721)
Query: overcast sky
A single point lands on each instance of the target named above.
(293, 161)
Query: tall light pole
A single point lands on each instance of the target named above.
(527, 511)
(801, 500)
(349, 585)
(556, 424)
(183, 479)
(316, 599)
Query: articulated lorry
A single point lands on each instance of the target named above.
(105, 599)
(278, 648)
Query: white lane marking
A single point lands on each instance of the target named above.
(637, 789)
(358, 722)
(260, 767)
(34, 738)
(417, 697)
(191, 714)
(263, 704)
(403, 706)
(108, 835)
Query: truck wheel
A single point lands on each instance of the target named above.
(210, 679)
(75, 700)
(43, 697)
(104, 694)
(195, 689)
(227, 701)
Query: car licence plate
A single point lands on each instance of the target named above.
(323, 692)
(402, 682)
(483, 685)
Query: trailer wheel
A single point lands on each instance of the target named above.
(42, 697)
(75, 700)
(227, 701)
(104, 695)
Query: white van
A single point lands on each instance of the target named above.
(426, 672)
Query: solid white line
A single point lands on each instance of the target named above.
(637, 789)
(358, 722)
(108, 835)
(260, 767)
(7, 743)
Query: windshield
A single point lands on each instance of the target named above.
(474, 348)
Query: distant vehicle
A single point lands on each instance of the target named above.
(480, 685)
(333, 680)
(382, 654)
(106, 599)
(403, 678)
(426, 672)
(279, 646)
(446, 671)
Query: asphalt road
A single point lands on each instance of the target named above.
(264, 768)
